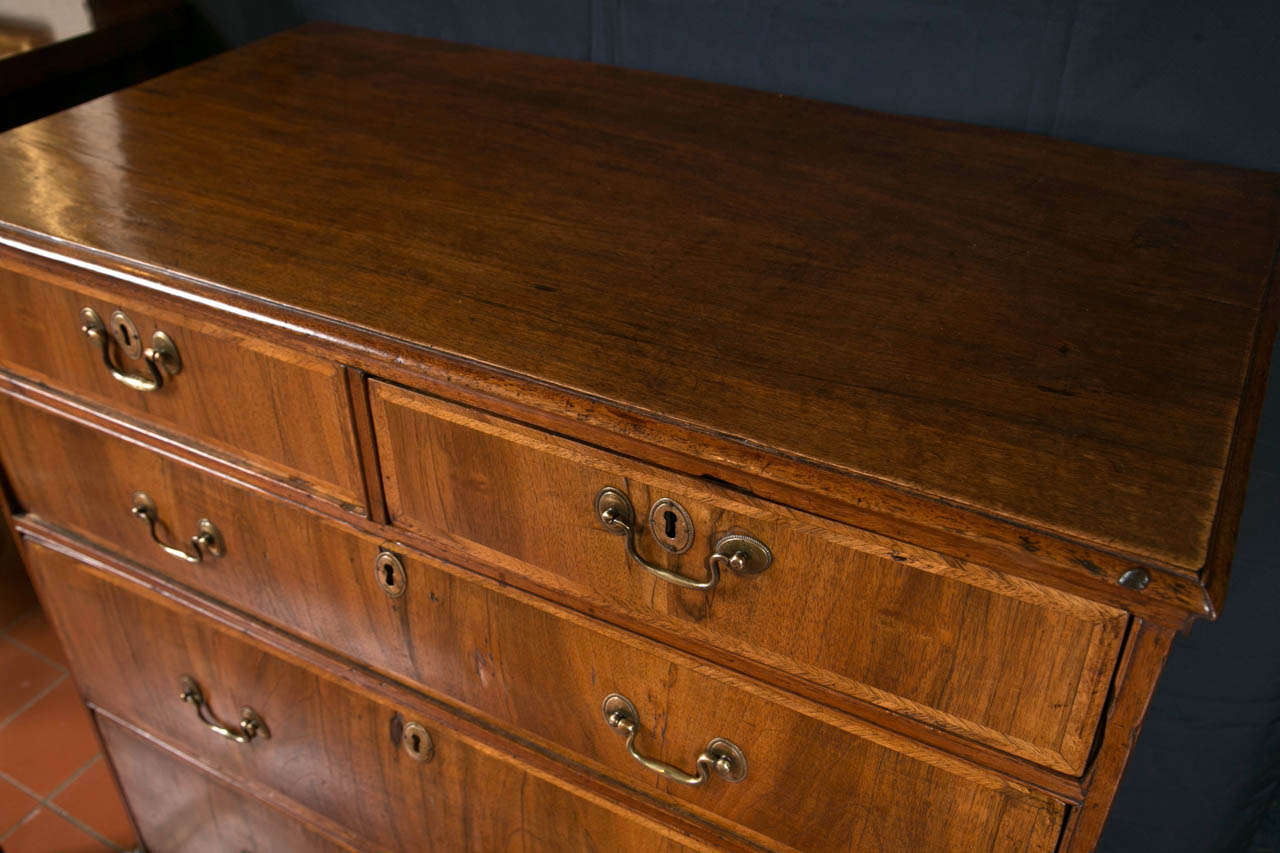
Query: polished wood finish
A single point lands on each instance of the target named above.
(327, 741)
(432, 298)
(996, 659)
(186, 810)
(349, 616)
(284, 411)
(979, 312)
(466, 640)
(1030, 639)
(1170, 599)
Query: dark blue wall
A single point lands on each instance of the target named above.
(1191, 79)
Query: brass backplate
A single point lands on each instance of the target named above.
(209, 537)
(251, 721)
(610, 498)
(166, 353)
(735, 769)
(616, 702)
(758, 555)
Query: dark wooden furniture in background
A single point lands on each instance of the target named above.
(56, 53)
(339, 366)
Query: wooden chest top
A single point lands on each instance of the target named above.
(1056, 346)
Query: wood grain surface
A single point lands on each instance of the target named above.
(271, 531)
(468, 640)
(809, 786)
(993, 658)
(282, 410)
(1054, 336)
(333, 749)
(181, 809)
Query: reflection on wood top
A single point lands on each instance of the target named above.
(1051, 334)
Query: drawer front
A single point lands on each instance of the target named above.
(959, 647)
(543, 670)
(284, 412)
(182, 809)
(329, 748)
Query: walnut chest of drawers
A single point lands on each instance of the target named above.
(427, 447)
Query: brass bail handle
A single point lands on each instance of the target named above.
(745, 555)
(161, 358)
(722, 756)
(249, 727)
(207, 539)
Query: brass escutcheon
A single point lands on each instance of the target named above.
(388, 571)
(670, 526)
(417, 742)
(125, 334)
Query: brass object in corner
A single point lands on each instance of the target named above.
(1135, 579)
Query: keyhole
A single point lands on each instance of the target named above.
(125, 334)
(388, 572)
(670, 525)
(417, 742)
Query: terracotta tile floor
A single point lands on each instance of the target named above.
(56, 793)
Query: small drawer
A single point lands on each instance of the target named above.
(537, 668)
(284, 412)
(394, 779)
(181, 809)
(959, 647)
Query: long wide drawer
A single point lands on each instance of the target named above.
(282, 411)
(960, 647)
(535, 667)
(310, 735)
(181, 809)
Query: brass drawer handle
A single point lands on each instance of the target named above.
(721, 755)
(745, 555)
(207, 538)
(249, 727)
(161, 357)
